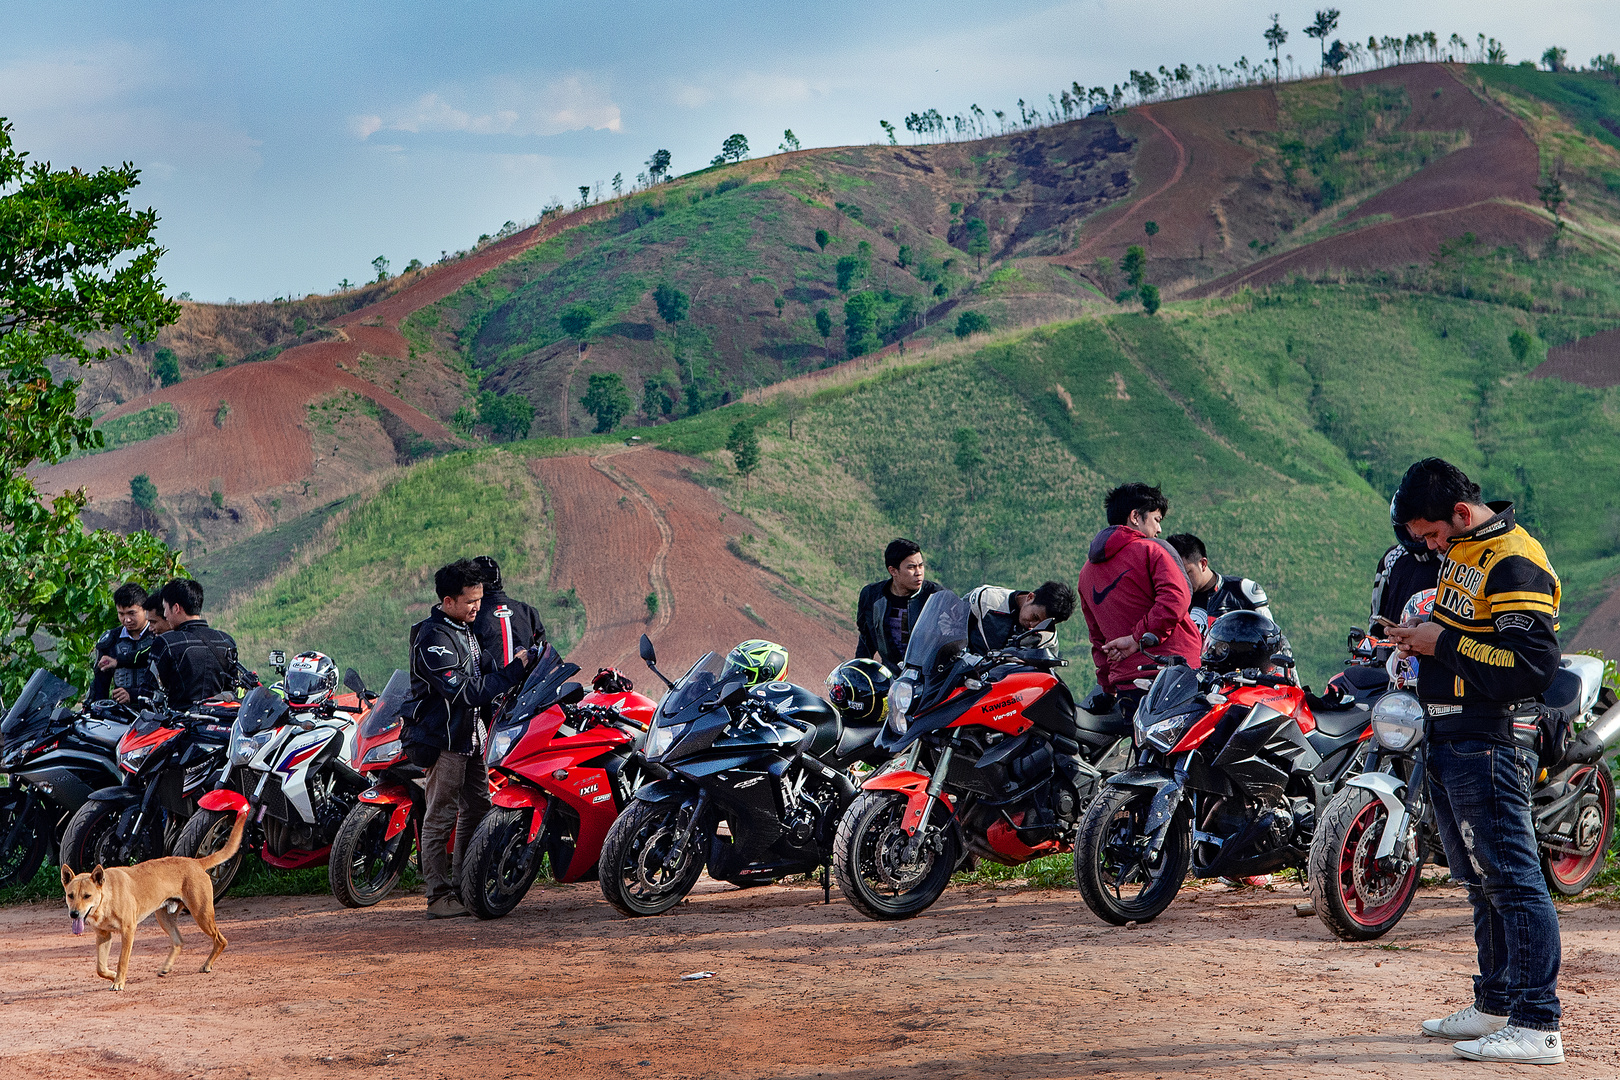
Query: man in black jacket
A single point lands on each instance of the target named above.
(1405, 570)
(193, 662)
(888, 609)
(123, 668)
(452, 683)
(504, 625)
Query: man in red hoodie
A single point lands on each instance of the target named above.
(1133, 584)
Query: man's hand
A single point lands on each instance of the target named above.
(1120, 648)
(1416, 640)
(120, 695)
(525, 657)
(106, 663)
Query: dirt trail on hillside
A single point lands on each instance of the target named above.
(630, 522)
(1019, 985)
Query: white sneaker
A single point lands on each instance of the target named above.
(1467, 1023)
(1514, 1046)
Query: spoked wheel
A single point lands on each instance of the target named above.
(884, 871)
(1120, 881)
(637, 872)
(1356, 897)
(1571, 867)
(25, 836)
(365, 863)
(500, 863)
(205, 833)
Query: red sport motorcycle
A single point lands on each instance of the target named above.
(562, 764)
(373, 845)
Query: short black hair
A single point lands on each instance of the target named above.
(451, 580)
(129, 594)
(1058, 600)
(899, 550)
(1430, 490)
(154, 603)
(1128, 499)
(491, 570)
(185, 594)
(1188, 546)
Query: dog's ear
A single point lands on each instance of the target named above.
(67, 874)
(96, 874)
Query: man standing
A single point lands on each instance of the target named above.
(1135, 584)
(452, 683)
(193, 662)
(123, 668)
(1406, 569)
(1213, 595)
(888, 609)
(504, 625)
(995, 614)
(1490, 647)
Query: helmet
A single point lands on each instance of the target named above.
(492, 570)
(311, 679)
(1241, 639)
(1420, 606)
(1412, 545)
(760, 661)
(859, 690)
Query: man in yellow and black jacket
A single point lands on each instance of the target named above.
(1490, 648)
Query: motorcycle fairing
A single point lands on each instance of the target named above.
(395, 795)
(1264, 749)
(520, 797)
(141, 735)
(946, 715)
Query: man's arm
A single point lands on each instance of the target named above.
(1099, 659)
(440, 668)
(1519, 661)
(865, 647)
(1172, 596)
(1256, 598)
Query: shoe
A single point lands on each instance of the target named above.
(445, 907)
(1514, 1046)
(1467, 1023)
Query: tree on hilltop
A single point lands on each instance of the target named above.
(790, 141)
(380, 264)
(735, 148)
(1275, 37)
(1336, 56)
(1326, 22)
(1553, 59)
(658, 166)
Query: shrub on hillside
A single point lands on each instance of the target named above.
(507, 416)
(971, 322)
(166, 367)
(607, 400)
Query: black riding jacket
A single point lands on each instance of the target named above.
(194, 663)
(871, 615)
(134, 670)
(452, 683)
(504, 626)
(1401, 575)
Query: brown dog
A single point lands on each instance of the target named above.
(118, 898)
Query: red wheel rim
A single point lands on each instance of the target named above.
(1570, 869)
(1370, 906)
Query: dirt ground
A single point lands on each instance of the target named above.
(989, 983)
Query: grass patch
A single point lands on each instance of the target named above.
(1052, 872)
(228, 573)
(160, 419)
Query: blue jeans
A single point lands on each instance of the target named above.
(1480, 791)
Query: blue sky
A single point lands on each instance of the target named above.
(286, 144)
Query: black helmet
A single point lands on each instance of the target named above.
(1412, 545)
(1241, 639)
(492, 570)
(311, 679)
(859, 690)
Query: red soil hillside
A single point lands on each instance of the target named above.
(1592, 361)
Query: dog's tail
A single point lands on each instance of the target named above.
(224, 854)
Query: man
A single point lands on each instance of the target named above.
(193, 662)
(888, 609)
(153, 606)
(1406, 569)
(1135, 584)
(123, 669)
(1491, 645)
(1213, 595)
(996, 615)
(452, 683)
(503, 626)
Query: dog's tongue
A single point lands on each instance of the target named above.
(78, 924)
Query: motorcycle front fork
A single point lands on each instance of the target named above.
(936, 784)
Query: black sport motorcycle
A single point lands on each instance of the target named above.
(758, 779)
(52, 759)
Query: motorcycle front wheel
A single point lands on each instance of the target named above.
(635, 873)
(1356, 898)
(1571, 871)
(92, 839)
(500, 863)
(25, 833)
(1118, 880)
(869, 859)
(206, 832)
(365, 863)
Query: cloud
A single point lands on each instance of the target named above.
(507, 106)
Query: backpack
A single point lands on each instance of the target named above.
(1545, 730)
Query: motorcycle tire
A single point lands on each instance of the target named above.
(1097, 846)
(1353, 897)
(867, 854)
(31, 842)
(631, 871)
(1570, 874)
(500, 863)
(364, 864)
(91, 838)
(206, 832)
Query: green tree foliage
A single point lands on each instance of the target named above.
(969, 457)
(1520, 343)
(576, 321)
(1150, 298)
(142, 492)
(652, 605)
(823, 238)
(1335, 57)
(75, 259)
(978, 239)
(904, 257)
(744, 446)
(655, 400)
(790, 141)
(852, 269)
(413, 266)
(166, 367)
(1326, 22)
(970, 323)
(1553, 59)
(507, 416)
(1152, 229)
(824, 326)
(861, 313)
(672, 304)
(607, 400)
(1275, 37)
(1134, 265)
(888, 129)
(658, 166)
(735, 148)
(380, 264)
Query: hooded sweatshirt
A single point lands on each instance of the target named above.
(1132, 585)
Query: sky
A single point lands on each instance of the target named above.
(285, 145)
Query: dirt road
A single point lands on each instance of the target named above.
(990, 983)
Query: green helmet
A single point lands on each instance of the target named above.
(760, 661)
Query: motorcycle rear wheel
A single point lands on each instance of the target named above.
(867, 859)
(206, 832)
(364, 864)
(1354, 897)
(632, 872)
(1570, 874)
(500, 863)
(1108, 858)
(26, 854)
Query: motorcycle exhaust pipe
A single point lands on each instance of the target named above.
(1599, 738)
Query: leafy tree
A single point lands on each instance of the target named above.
(618, 184)
(790, 141)
(969, 457)
(823, 238)
(1552, 196)
(652, 605)
(735, 148)
(1520, 342)
(861, 324)
(888, 129)
(1275, 37)
(1336, 56)
(672, 304)
(576, 321)
(1152, 229)
(978, 239)
(781, 302)
(658, 166)
(1326, 22)
(166, 367)
(790, 407)
(1150, 298)
(607, 399)
(508, 416)
(142, 492)
(851, 269)
(76, 260)
(824, 327)
(971, 322)
(1553, 59)
(345, 285)
(1105, 272)
(380, 264)
(413, 266)
(744, 446)
(655, 400)
(1134, 265)
(584, 195)
(904, 257)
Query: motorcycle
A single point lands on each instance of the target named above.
(997, 762)
(1231, 772)
(758, 778)
(289, 769)
(373, 844)
(562, 763)
(52, 759)
(1368, 854)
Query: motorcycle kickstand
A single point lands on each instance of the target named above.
(826, 882)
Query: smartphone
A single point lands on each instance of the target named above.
(1385, 621)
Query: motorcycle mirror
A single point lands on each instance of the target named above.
(352, 679)
(1148, 641)
(1282, 660)
(571, 694)
(647, 652)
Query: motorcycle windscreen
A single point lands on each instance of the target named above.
(541, 689)
(40, 694)
(698, 683)
(1173, 690)
(261, 710)
(384, 714)
(936, 641)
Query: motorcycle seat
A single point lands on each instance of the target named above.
(1339, 723)
(1367, 684)
(1564, 693)
(1113, 723)
(852, 740)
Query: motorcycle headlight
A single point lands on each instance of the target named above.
(1162, 734)
(246, 746)
(387, 751)
(662, 737)
(900, 697)
(131, 761)
(501, 743)
(1397, 721)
